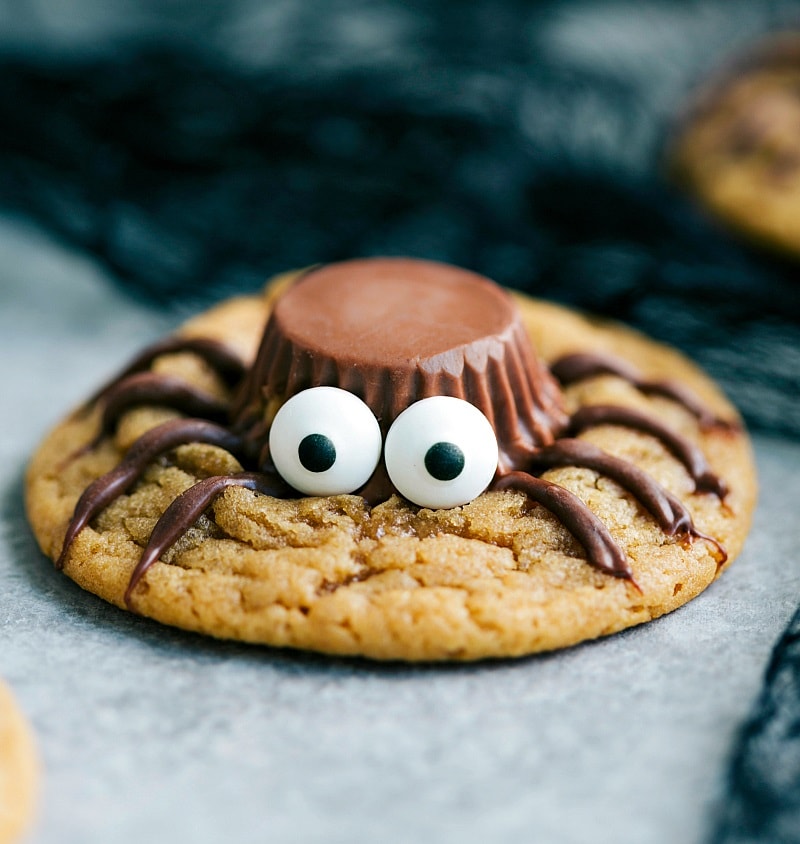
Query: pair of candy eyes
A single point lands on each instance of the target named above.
(440, 452)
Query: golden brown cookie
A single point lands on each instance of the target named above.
(18, 770)
(737, 149)
(498, 576)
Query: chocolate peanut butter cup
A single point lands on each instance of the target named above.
(396, 330)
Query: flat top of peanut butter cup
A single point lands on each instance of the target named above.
(386, 310)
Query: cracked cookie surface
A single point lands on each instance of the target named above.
(496, 577)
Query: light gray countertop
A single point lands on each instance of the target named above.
(151, 734)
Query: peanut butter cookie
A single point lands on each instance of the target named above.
(18, 770)
(738, 146)
(397, 459)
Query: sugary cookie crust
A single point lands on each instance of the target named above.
(496, 577)
(18, 770)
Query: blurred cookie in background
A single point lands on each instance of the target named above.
(737, 148)
(18, 770)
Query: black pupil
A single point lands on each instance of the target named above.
(444, 461)
(317, 453)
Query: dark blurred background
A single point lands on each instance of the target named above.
(197, 148)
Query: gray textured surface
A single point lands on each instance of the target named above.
(150, 734)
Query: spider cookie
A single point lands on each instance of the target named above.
(398, 459)
(738, 146)
(18, 770)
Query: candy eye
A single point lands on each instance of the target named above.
(441, 452)
(325, 441)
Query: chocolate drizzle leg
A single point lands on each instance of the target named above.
(681, 448)
(187, 508)
(601, 549)
(150, 388)
(226, 363)
(672, 516)
(150, 445)
(577, 367)
(665, 508)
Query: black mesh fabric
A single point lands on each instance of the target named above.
(763, 800)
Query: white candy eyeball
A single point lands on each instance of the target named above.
(325, 441)
(441, 452)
